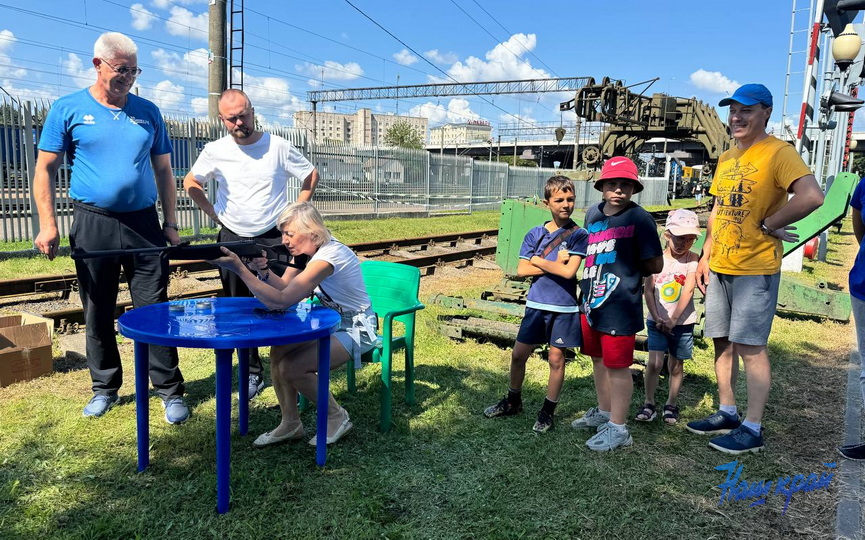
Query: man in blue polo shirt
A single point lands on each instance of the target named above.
(117, 145)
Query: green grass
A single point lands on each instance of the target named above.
(443, 471)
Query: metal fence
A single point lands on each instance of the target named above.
(356, 181)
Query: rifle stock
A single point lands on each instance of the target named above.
(276, 255)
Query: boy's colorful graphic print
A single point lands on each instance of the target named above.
(602, 250)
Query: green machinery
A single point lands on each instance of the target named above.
(517, 217)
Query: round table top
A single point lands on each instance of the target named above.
(226, 323)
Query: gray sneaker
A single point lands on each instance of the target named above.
(592, 419)
(256, 385)
(609, 439)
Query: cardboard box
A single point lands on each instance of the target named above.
(25, 347)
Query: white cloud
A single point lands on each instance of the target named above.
(331, 71)
(7, 40)
(405, 58)
(458, 110)
(191, 67)
(183, 22)
(82, 74)
(713, 81)
(271, 95)
(503, 62)
(165, 4)
(166, 95)
(522, 118)
(435, 56)
(7, 66)
(142, 19)
(200, 105)
(26, 94)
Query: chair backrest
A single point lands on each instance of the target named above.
(391, 286)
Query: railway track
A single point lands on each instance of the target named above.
(425, 253)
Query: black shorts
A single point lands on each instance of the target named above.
(560, 330)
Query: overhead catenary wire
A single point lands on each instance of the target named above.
(407, 46)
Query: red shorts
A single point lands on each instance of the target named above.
(616, 351)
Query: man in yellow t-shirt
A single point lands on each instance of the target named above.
(740, 267)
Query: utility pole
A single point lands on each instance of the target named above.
(216, 79)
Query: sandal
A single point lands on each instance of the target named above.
(647, 413)
(671, 414)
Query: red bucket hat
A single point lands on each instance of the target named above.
(620, 167)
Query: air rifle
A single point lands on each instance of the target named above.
(276, 255)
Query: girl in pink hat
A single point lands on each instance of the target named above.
(670, 324)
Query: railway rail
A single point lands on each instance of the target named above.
(426, 253)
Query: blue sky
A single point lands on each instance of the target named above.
(700, 49)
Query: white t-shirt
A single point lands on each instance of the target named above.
(254, 182)
(345, 286)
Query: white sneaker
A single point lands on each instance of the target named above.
(609, 439)
(592, 419)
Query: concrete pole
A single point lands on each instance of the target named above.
(216, 79)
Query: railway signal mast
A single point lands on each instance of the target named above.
(826, 117)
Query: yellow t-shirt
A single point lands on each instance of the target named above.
(750, 185)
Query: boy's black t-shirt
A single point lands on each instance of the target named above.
(611, 286)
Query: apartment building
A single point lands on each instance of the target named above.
(464, 133)
(361, 128)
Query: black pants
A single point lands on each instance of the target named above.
(94, 229)
(232, 285)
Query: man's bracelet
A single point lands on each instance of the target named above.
(170, 225)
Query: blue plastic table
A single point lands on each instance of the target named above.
(225, 324)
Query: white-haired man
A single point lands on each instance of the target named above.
(118, 147)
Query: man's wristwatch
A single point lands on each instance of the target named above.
(169, 225)
(764, 229)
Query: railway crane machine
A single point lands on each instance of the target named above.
(632, 119)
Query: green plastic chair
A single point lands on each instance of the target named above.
(393, 289)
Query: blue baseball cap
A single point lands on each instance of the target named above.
(749, 94)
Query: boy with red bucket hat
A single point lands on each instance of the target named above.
(623, 249)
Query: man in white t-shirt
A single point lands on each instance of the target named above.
(257, 174)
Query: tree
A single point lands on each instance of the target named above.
(858, 165)
(402, 134)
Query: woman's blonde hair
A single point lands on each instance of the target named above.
(307, 220)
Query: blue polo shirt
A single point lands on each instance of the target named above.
(108, 149)
(550, 292)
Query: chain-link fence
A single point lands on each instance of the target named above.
(356, 181)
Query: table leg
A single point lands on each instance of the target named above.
(323, 392)
(243, 390)
(142, 403)
(223, 428)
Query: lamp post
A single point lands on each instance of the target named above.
(845, 49)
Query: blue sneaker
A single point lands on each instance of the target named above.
(99, 405)
(715, 424)
(176, 411)
(739, 441)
